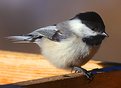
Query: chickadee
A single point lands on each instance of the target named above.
(69, 44)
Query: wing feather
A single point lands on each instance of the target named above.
(47, 32)
(54, 33)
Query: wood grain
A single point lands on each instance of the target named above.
(16, 67)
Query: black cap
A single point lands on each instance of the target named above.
(92, 20)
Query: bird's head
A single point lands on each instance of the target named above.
(88, 25)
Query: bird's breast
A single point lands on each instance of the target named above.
(65, 53)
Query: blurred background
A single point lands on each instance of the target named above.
(23, 16)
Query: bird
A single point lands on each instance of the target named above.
(69, 44)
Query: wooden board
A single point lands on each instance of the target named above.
(17, 67)
(102, 80)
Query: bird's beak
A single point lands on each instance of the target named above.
(105, 34)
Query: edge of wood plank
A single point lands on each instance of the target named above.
(101, 80)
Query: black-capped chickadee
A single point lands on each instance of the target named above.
(69, 44)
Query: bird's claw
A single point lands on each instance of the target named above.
(88, 74)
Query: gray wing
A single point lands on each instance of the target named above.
(55, 33)
(47, 32)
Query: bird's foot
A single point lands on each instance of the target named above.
(88, 74)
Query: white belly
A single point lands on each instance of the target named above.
(66, 53)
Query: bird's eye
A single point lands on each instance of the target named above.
(95, 29)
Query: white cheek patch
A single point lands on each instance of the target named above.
(81, 29)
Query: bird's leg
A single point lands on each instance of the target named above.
(88, 74)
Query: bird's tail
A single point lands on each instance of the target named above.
(22, 39)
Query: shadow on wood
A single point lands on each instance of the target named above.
(76, 80)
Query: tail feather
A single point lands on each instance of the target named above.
(20, 39)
